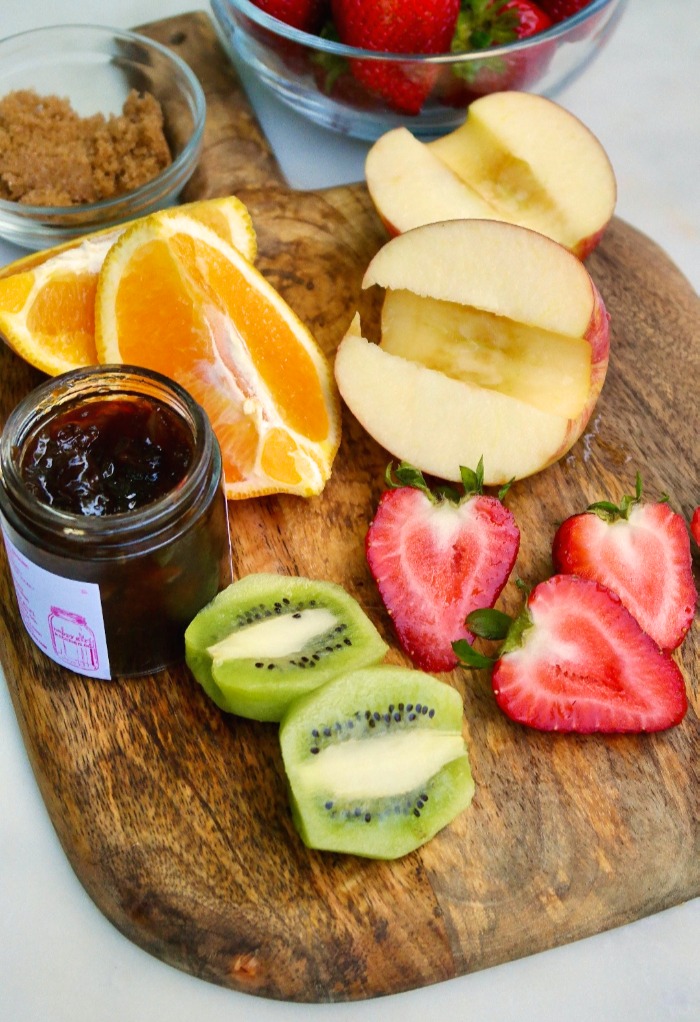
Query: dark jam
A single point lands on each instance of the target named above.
(108, 455)
(113, 510)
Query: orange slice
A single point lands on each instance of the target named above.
(47, 299)
(176, 298)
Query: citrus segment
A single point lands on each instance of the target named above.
(47, 314)
(47, 299)
(174, 297)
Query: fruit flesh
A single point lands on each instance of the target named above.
(496, 267)
(550, 371)
(376, 762)
(276, 637)
(436, 423)
(47, 299)
(509, 275)
(645, 558)
(585, 665)
(240, 351)
(536, 163)
(269, 638)
(399, 163)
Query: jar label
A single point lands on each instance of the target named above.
(62, 615)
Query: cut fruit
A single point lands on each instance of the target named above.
(400, 166)
(47, 299)
(376, 762)
(517, 157)
(494, 343)
(547, 370)
(267, 639)
(174, 297)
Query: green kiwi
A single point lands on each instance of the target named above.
(267, 639)
(376, 761)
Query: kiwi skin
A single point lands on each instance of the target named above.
(358, 711)
(262, 686)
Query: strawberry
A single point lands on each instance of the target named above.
(576, 660)
(435, 556)
(642, 552)
(486, 23)
(560, 10)
(397, 26)
(307, 15)
(695, 525)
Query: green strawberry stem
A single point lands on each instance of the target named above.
(484, 23)
(488, 623)
(610, 512)
(472, 482)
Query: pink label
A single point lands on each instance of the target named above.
(63, 616)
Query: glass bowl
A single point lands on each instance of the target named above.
(96, 68)
(313, 75)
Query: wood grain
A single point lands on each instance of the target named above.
(174, 815)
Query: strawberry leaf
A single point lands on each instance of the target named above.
(473, 479)
(488, 623)
(406, 475)
(470, 658)
(610, 512)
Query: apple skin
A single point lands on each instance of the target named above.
(437, 423)
(598, 336)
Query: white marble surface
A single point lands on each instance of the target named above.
(60, 960)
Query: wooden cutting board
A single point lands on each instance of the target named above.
(174, 816)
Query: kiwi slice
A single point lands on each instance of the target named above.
(267, 639)
(376, 761)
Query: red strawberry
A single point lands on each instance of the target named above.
(695, 525)
(560, 10)
(435, 556)
(642, 552)
(397, 26)
(576, 660)
(483, 24)
(307, 15)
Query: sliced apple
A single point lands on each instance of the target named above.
(494, 343)
(411, 186)
(518, 157)
(550, 371)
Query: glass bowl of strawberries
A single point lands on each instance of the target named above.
(362, 67)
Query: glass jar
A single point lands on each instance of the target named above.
(110, 594)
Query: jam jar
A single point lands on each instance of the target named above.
(114, 517)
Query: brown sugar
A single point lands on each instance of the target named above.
(50, 156)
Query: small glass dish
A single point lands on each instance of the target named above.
(313, 75)
(95, 68)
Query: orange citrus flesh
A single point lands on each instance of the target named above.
(176, 298)
(47, 299)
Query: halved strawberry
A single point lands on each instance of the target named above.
(437, 555)
(695, 525)
(642, 552)
(576, 660)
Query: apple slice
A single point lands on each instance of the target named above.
(494, 343)
(518, 157)
(410, 186)
(548, 370)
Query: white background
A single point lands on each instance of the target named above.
(60, 960)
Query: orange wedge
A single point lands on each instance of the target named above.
(47, 299)
(174, 297)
